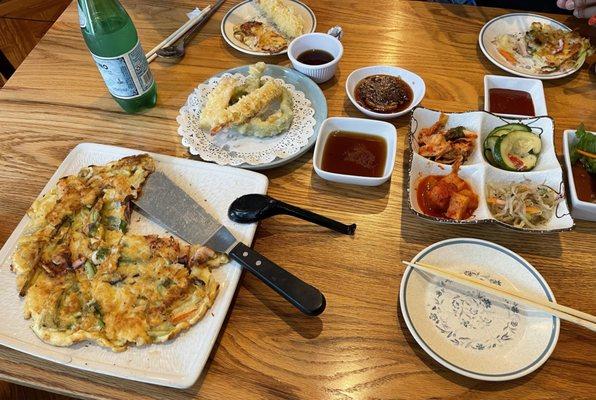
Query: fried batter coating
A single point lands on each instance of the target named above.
(231, 103)
(217, 102)
(284, 17)
(248, 106)
(276, 123)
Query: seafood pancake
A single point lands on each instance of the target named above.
(260, 37)
(85, 278)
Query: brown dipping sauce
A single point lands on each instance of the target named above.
(353, 153)
(509, 101)
(585, 183)
(383, 94)
(315, 57)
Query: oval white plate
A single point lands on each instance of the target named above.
(468, 331)
(415, 82)
(514, 23)
(245, 11)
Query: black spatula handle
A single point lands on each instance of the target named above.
(303, 296)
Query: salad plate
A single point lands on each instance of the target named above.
(230, 148)
(494, 184)
(468, 331)
(507, 42)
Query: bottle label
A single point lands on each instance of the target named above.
(126, 76)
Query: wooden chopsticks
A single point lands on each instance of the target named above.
(566, 313)
(177, 34)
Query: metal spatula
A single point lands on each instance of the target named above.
(168, 205)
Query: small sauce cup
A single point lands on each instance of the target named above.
(369, 127)
(316, 41)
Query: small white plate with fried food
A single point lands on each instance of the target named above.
(257, 117)
(266, 27)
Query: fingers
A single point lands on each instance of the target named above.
(583, 3)
(585, 12)
(561, 3)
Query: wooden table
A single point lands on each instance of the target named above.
(360, 347)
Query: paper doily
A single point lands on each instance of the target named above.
(232, 148)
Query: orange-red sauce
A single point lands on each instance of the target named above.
(509, 101)
(354, 154)
(585, 183)
(428, 207)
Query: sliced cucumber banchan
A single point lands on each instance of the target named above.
(512, 147)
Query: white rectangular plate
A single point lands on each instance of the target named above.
(171, 363)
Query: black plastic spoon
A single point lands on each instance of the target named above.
(255, 207)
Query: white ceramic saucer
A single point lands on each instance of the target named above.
(472, 333)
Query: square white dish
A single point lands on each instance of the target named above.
(171, 363)
(358, 125)
(533, 86)
(579, 209)
(478, 172)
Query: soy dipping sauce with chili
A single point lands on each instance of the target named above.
(384, 94)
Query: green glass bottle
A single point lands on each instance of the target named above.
(113, 42)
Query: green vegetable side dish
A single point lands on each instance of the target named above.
(584, 150)
(512, 147)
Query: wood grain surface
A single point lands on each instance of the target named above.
(36, 10)
(19, 36)
(359, 347)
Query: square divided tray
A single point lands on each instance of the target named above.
(479, 173)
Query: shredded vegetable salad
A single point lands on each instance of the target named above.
(522, 205)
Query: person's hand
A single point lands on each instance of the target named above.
(581, 8)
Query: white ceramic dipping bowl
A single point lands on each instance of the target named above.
(532, 86)
(358, 125)
(415, 82)
(316, 41)
(579, 209)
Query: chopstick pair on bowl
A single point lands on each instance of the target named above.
(168, 47)
(566, 313)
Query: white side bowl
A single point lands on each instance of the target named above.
(532, 86)
(579, 209)
(357, 125)
(316, 41)
(415, 82)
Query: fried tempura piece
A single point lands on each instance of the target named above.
(217, 103)
(255, 72)
(284, 17)
(276, 123)
(247, 107)
(252, 81)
